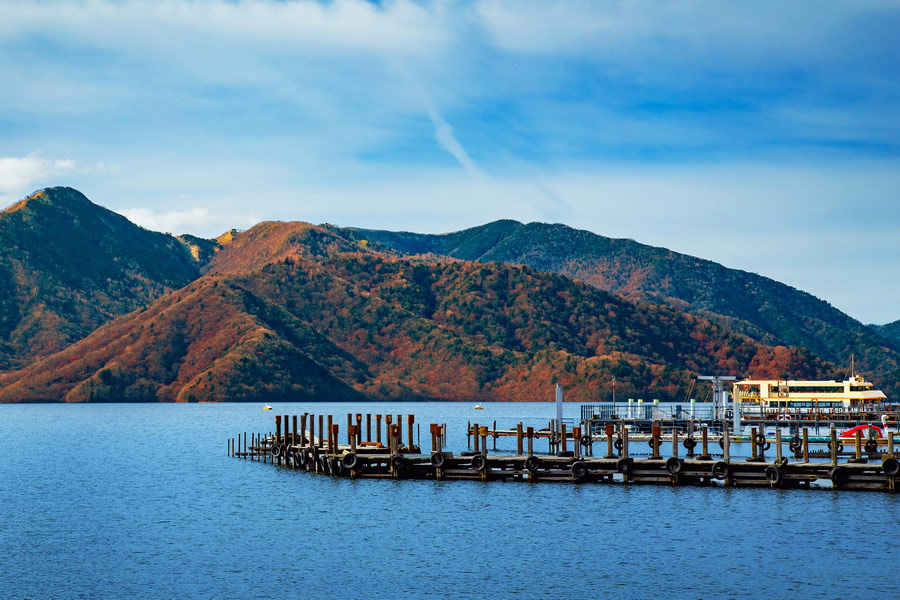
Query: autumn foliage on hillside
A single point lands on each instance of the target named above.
(363, 324)
(68, 266)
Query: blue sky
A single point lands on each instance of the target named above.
(762, 135)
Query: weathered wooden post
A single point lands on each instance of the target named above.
(625, 442)
(704, 438)
(726, 451)
(278, 433)
(519, 439)
(294, 439)
(655, 435)
(858, 440)
(334, 439)
(369, 427)
(322, 433)
(494, 435)
(675, 442)
(610, 431)
(399, 431)
(349, 424)
(378, 429)
(753, 455)
(475, 431)
(330, 429)
(302, 441)
(576, 441)
(354, 431)
(529, 433)
(562, 436)
(806, 444)
(410, 420)
(834, 443)
(890, 441)
(388, 421)
(358, 429)
(484, 434)
(778, 446)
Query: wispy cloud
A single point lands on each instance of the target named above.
(197, 220)
(20, 174)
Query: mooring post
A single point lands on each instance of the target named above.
(890, 441)
(410, 420)
(675, 442)
(378, 429)
(704, 437)
(278, 433)
(726, 451)
(353, 432)
(562, 436)
(475, 431)
(655, 439)
(294, 439)
(529, 433)
(625, 442)
(388, 431)
(834, 452)
(322, 433)
(806, 444)
(494, 435)
(334, 438)
(858, 440)
(778, 446)
(369, 427)
(312, 432)
(330, 429)
(358, 429)
(399, 431)
(349, 424)
(484, 434)
(753, 444)
(610, 431)
(519, 438)
(302, 440)
(576, 441)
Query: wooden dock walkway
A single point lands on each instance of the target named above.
(377, 456)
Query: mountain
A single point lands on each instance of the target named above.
(890, 332)
(68, 266)
(318, 323)
(766, 310)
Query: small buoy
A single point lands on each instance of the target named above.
(479, 407)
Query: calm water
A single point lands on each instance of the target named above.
(140, 501)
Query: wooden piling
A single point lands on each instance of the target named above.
(369, 427)
(484, 434)
(834, 443)
(399, 431)
(675, 442)
(519, 438)
(475, 432)
(333, 440)
(322, 433)
(778, 446)
(704, 437)
(302, 440)
(530, 434)
(753, 449)
(806, 444)
(295, 439)
(358, 428)
(410, 421)
(354, 430)
(378, 429)
(576, 441)
(726, 450)
(349, 425)
(610, 431)
(562, 436)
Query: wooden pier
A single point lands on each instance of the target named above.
(364, 453)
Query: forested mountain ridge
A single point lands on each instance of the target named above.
(767, 310)
(366, 325)
(68, 265)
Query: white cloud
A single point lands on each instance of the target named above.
(197, 220)
(21, 174)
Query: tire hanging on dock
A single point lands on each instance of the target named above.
(720, 470)
(775, 475)
(891, 466)
(350, 460)
(532, 463)
(479, 462)
(579, 469)
(625, 465)
(673, 465)
(438, 459)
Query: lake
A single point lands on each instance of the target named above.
(141, 501)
